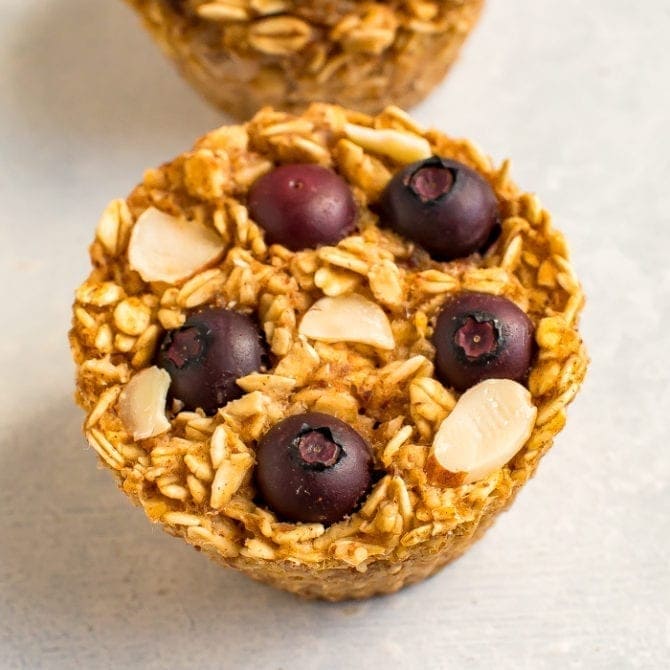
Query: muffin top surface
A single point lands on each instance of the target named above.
(217, 309)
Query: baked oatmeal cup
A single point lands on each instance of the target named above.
(245, 54)
(327, 349)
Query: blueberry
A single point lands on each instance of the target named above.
(449, 209)
(302, 206)
(313, 467)
(480, 336)
(206, 356)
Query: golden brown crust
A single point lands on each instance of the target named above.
(244, 54)
(196, 479)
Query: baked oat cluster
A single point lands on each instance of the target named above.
(334, 408)
(244, 54)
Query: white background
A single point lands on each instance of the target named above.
(575, 576)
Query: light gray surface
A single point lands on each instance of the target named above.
(575, 576)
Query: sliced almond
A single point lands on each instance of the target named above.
(348, 318)
(488, 426)
(166, 248)
(400, 147)
(142, 403)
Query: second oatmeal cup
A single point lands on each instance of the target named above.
(245, 54)
(328, 349)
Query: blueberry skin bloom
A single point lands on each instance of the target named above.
(302, 206)
(445, 206)
(207, 355)
(480, 336)
(313, 468)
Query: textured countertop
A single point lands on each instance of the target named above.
(574, 576)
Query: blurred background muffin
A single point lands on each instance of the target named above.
(244, 54)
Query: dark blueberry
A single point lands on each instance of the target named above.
(480, 336)
(313, 467)
(302, 206)
(446, 207)
(206, 356)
